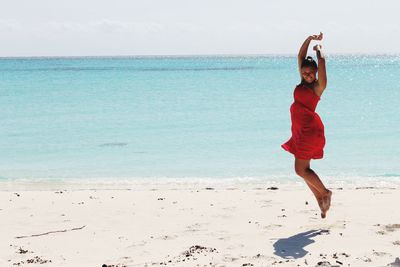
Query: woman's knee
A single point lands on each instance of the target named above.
(300, 170)
(301, 167)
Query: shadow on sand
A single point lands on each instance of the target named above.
(293, 247)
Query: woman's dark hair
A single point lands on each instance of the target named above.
(309, 62)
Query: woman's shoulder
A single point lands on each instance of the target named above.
(311, 86)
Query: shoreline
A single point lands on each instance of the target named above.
(185, 183)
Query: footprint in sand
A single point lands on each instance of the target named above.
(272, 226)
(139, 244)
(229, 258)
(195, 227)
(392, 227)
(389, 228)
(381, 254)
(167, 237)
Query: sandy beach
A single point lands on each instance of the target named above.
(197, 225)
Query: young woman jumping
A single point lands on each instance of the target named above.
(308, 140)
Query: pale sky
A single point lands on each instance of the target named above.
(202, 27)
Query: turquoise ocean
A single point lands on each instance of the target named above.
(130, 118)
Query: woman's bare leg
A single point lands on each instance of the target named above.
(323, 195)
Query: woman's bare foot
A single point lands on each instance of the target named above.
(319, 200)
(325, 203)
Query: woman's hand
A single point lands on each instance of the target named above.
(317, 37)
(317, 47)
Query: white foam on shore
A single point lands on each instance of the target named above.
(344, 182)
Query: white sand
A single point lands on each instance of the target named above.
(231, 225)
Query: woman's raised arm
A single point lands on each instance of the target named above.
(304, 48)
(322, 78)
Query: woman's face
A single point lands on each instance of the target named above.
(308, 74)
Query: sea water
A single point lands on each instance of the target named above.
(191, 118)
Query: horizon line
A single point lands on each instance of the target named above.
(189, 55)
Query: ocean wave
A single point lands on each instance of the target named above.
(348, 182)
(394, 175)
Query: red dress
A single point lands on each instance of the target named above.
(308, 140)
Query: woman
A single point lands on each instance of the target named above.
(308, 140)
